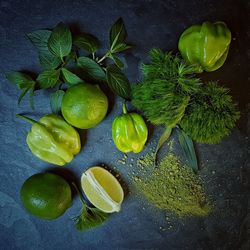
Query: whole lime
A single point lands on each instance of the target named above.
(84, 105)
(46, 195)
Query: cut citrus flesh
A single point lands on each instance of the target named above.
(102, 189)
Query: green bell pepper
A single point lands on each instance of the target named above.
(52, 139)
(205, 45)
(129, 132)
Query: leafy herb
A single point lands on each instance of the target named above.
(48, 78)
(60, 41)
(87, 42)
(70, 77)
(211, 114)
(188, 149)
(40, 39)
(91, 69)
(118, 82)
(89, 217)
(23, 82)
(56, 101)
(56, 54)
(117, 34)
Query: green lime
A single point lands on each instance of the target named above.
(84, 105)
(46, 195)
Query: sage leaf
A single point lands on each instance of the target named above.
(21, 80)
(60, 41)
(70, 77)
(117, 33)
(48, 78)
(164, 137)
(40, 39)
(118, 82)
(56, 101)
(48, 60)
(89, 218)
(91, 69)
(87, 42)
(188, 149)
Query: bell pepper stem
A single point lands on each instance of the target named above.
(124, 108)
(25, 118)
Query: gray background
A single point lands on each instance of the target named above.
(225, 167)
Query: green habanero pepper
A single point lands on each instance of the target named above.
(206, 45)
(52, 139)
(129, 132)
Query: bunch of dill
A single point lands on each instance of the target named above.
(165, 90)
(170, 94)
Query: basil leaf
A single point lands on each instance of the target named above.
(40, 39)
(21, 80)
(188, 149)
(60, 41)
(70, 77)
(118, 82)
(117, 33)
(120, 47)
(48, 78)
(56, 101)
(89, 218)
(48, 60)
(87, 42)
(91, 69)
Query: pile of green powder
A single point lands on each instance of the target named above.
(171, 186)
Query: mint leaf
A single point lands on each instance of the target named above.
(40, 39)
(21, 80)
(87, 42)
(48, 78)
(60, 41)
(117, 61)
(56, 101)
(117, 33)
(188, 149)
(48, 60)
(70, 77)
(118, 82)
(120, 47)
(91, 69)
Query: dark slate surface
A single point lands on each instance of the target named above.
(138, 226)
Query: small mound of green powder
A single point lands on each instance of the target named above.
(171, 186)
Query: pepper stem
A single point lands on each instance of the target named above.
(124, 108)
(25, 118)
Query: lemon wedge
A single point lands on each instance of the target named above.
(102, 189)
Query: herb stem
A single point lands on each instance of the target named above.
(104, 57)
(79, 193)
(124, 108)
(25, 118)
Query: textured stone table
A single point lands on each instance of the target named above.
(149, 24)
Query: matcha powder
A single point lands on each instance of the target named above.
(171, 186)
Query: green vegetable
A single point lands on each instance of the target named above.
(129, 132)
(89, 217)
(52, 139)
(205, 45)
(165, 90)
(211, 115)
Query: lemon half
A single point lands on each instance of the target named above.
(102, 189)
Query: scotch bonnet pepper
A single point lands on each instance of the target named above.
(205, 45)
(52, 139)
(129, 132)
